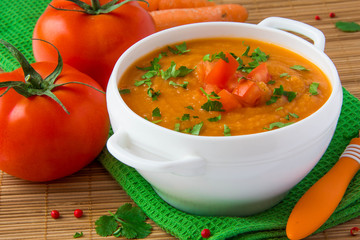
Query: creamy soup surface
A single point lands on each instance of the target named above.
(174, 87)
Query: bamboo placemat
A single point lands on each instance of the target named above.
(25, 207)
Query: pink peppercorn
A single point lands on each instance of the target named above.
(332, 15)
(317, 17)
(353, 231)
(78, 213)
(205, 233)
(55, 214)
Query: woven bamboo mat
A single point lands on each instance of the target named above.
(25, 207)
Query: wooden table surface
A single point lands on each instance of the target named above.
(25, 206)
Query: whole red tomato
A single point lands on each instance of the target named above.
(90, 42)
(39, 140)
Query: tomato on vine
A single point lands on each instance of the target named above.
(53, 119)
(91, 34)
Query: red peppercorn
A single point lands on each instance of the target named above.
(55, 214)
(205, 233)
(353, 231)
(332, 15)
(317, 17)
(78, 213)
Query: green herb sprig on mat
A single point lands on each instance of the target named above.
(128, 222)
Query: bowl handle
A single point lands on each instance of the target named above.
(118, 145)
(298, 27)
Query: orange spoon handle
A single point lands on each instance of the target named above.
(321, 200)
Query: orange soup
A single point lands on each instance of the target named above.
(223, 87)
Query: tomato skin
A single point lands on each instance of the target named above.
(228, 100)
(247, 92)
(90, 43)
(222, 71)
(260, 74)
(39, 141)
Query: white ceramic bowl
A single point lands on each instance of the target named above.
(236, 175)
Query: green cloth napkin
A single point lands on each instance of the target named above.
(17, 20)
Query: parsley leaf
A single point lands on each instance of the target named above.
(299, 67)
(184, 85)
(313, 88)
(196, 129)
(177, 127)
(294, 115)
(141, 82)
(185, 117)
(246, 53)
(212, 106)
(215, 119)
(257, 56)
(151, 93)
(173, 72)
(214, 56)
(179, 49)
(128, 222)
(278, 125)
(348, 26)
(190, 107)
(106, 225)
(278, 92)
(124, 91)
(156, 112)
(227, 131)
(285, 75)
(77, 234)
(154, 64)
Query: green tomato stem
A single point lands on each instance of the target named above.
(95, 4)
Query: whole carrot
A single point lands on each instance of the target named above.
(175, 17)
(170, 4)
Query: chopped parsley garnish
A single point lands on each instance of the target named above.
(151, 93)
(215, 106)
(257, 56)
(214, 56)
(173, 72)
(313, 89)
(348, 26)
(299, 68)
(177, 127)
(78, 234)
(215, 119)
(154, 64)
(227, 131)
(128, 222)
(278, 92)
(124, 91)
(246, 53)
(156, 112)
(294, 115)
(278, 125)
(189, 107)
(212, 105)
(196, 129)
(185, 117)
(179, 49)
(239, 60)
(184, 85)
(285, 75)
